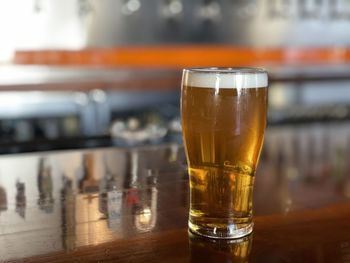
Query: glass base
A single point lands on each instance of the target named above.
(229, 232)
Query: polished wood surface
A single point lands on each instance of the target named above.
(131, 205)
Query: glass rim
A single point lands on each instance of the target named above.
(226, 70)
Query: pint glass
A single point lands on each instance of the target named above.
(223, 112)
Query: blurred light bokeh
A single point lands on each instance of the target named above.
(87, 73)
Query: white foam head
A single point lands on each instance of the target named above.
(225, 78)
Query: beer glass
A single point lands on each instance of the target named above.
(223, 114)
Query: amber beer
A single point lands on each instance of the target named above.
(223, 120)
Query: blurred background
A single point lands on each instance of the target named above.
(89, 73)
(78, 74)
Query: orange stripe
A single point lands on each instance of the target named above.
(184, 56)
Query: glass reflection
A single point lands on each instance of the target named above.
(88, 184)
(145, 217)
(220, 250)
(68, 214)
(21, 201)
(282, 181)
(3, 199)
(173, 152)
(108, 181)
(110, 199)
(111, 205)
(45, 186)
(142, 194)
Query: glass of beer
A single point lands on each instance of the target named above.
(223, 114)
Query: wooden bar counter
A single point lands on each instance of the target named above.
(131, 204)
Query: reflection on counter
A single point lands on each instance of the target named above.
(46, 200)
(215, 250)
(3, 199)
(92, 197)
(86, 198)
(88, 183)
(21, 199)
(303, 156)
